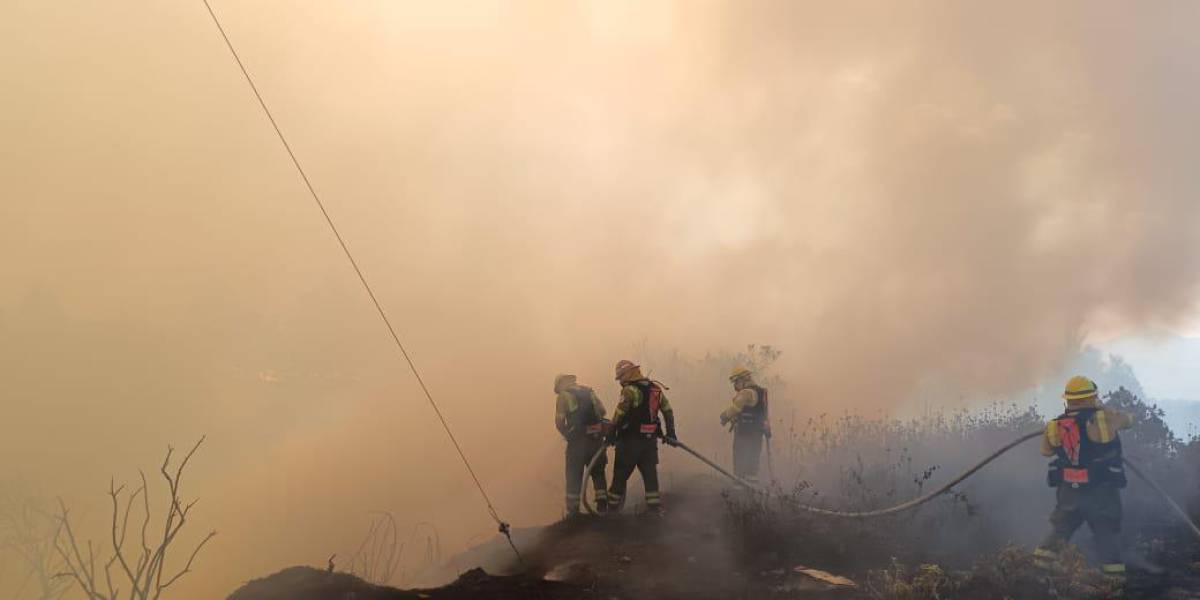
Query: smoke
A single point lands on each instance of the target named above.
(928, 199)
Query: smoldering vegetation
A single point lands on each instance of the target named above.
(974, 541)
(719, 541)
(922, 202)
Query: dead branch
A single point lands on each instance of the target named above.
(76, 568)
(379, 553)
(145, 576)
(29, 534)
(188, 567)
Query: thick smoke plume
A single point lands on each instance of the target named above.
(933, 200)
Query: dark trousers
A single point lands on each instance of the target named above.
(579, 452)
(640, 452)
(747, 449)
(1099, 507)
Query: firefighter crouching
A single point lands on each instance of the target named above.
(579, 417)
(1088, 473)
(636, 430)
(749, 422)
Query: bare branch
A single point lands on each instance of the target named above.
(112, 592)
(118, 539)
(76, 568)
(128, 509)
(176, 518)
(146, 576)
(92, 563)
(188, 457)
(188, 567)
(144, 559)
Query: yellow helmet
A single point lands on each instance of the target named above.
(739, 372)
(1080, 388)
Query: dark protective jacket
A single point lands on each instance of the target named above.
(642, 403)
(579, 413)
(1080, 461)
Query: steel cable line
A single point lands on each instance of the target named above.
(503, 526)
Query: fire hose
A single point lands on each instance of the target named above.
(911, 504)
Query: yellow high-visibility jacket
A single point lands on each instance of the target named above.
(745, 398)
(567, 404)
(1101, 428)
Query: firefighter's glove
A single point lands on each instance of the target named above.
(767, 433)
(724, 419)
(671, 441)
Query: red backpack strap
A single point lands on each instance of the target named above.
(655, 400)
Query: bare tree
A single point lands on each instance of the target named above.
(426, 532)
(29, 533)
(379, 553)
(380, 556)
(142, 570)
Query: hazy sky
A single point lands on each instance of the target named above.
(1167, 366)
(902, 197)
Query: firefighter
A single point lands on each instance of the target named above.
(748, 419)
(636, 429)
(579, 417)
(1088, 474)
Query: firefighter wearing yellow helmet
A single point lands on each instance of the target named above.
(636, 431)
(748, 418)
(1088, 474)
(579, 417)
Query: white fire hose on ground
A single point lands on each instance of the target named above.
(911, 504)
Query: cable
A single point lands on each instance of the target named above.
(504, 527)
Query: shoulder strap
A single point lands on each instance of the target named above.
(653, 398)
(1102, 425)
(1052, 433)
(761, 392)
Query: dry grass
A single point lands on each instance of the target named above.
(973, 543)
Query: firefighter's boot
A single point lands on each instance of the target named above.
(1046, 559)
(1114, 573)
(601, 501)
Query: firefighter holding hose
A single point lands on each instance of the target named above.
(636, 431)
(1088, 474)
(579, 417)
(748, 419)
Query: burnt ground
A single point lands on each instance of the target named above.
(307, 583)
(715, 544)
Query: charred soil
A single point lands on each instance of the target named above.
(716, 543)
